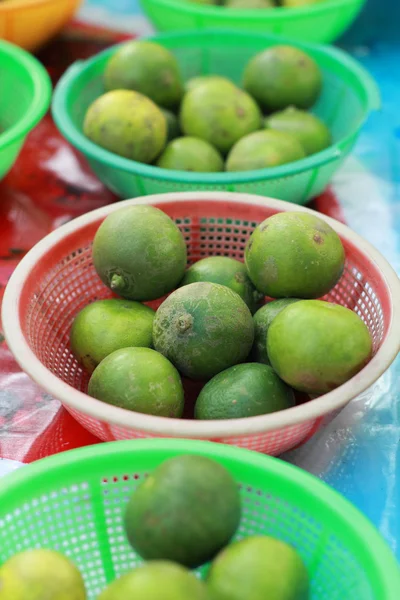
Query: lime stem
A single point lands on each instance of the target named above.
(117, 282)
(184, 323)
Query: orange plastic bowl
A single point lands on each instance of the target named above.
(31, 23)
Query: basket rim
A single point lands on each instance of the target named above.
(279, 13)
(75, 136)
(169, 427)
(377, 550)
(41, 97)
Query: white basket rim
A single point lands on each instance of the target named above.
(112, 415)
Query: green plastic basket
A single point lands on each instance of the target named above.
(74, 502)
(348, 96)
(24, 98)
(323, 22)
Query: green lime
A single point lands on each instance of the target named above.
(243, 391)
(309, 130)
(316, 346)
(119, 122)
(203, 328)
(262, 321)
(148, 68)
(173, 129)
(283, 76)
(139, 252)
(258, 568)
(264, 149)
(225, 271)
(139, 379)
(220, 113)
(186, 510)
(191, 154)
(155, 581)
(108, 325)
(294, 255)
(40, 574)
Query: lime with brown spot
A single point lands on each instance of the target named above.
(128, 124)
(283, 76)
(315, 346)
(294, 255)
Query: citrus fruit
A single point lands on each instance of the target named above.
(243, 391)
(264, 149)
(155, 581)
(173, 129)
(148, 68)
(309, 130)
(219, 113)
(294, 255)
(200, 79)
(191, 154)
(128, 124)
(107, 325)
(186, 510)
(139, 379)
(316, 346)
(40, 574)
(203, 328)
(262, 321)
(258, 568)
(225, 271)
(283, 76)
(139, 252)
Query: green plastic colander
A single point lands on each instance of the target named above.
(321, 22)
(74, 502)
(349, 94)
(25, 92)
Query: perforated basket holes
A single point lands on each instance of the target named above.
(224, 237)
(116, 491)
(338, 106)
(63, 520)
(73, 283)
(335, 573)
(357, 294)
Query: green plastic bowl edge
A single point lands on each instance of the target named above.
(77, 139)
(278, 12)
(367, 544)
(41, 98)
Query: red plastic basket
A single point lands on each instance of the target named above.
(57, 278)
